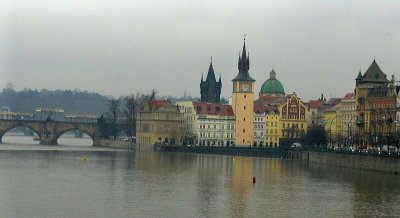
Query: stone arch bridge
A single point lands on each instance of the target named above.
(50, 131)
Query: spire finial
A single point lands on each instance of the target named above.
(244, 37)
(211, 58)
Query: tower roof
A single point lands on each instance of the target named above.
(359, 76)
(211, 75)
(272, 85)
(243, 66)
(374, 74)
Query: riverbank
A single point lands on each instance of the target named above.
(233, 151)
(388, 164)
(114, 144)
(355, 160)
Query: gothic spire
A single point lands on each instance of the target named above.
(211, 74)
(243, 66)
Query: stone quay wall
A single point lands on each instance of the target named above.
(114, 144)
(353, 160)
(233, 151)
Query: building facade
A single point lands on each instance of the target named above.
(273, 129)
(375, 107)
(189, 130)
(293, 120)
(333, 124)
(216, 124)
(348, 117)
(258, 128)
(158, 121)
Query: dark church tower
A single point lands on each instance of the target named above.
(210, 89)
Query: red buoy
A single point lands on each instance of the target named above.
(254, 179)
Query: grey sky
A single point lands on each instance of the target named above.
(121, 47)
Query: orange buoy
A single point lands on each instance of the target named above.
(254, 179)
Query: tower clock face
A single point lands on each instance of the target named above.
(245, 87)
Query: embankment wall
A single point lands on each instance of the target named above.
(350, 160)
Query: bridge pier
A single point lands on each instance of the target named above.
(48, 140)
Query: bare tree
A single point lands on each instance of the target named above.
(153, 94)
(114, 112)
(132, 105)
(130, 114)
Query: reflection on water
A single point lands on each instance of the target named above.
(57, 183)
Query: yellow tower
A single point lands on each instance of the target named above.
(243, 101)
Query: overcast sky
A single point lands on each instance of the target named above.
(121, 47)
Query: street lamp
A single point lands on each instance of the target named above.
(330, 127)
(349, 129)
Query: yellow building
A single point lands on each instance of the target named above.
(332, 124)
(273, 129)
(243, 102)
(158, 121)
(293, 120)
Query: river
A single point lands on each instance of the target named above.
(55, 181)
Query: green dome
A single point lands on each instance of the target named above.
(272, 85)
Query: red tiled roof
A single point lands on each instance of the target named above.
(316, 104)
(153, 105)
(350, 96)
(213, 109)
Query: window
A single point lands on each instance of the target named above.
(244, 130)
(218, 109)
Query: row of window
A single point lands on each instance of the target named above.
(215, 135)
(258, 126)
(215, 126)
(259, 119)
(272, 123)
(215, 143)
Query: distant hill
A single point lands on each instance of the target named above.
(73, 102)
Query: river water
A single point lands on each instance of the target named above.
(55, 181)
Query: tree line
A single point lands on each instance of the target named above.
(72, 101)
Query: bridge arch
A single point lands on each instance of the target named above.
(89, 133)
(11, 126)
